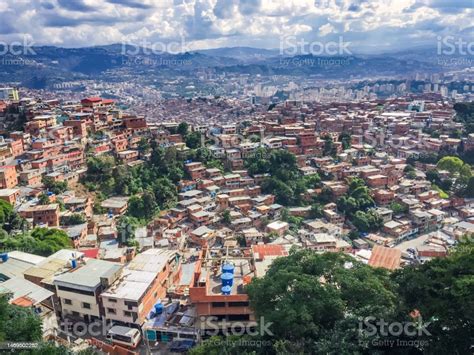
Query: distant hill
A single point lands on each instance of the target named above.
(42, 66)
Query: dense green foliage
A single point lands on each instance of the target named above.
(284, 180)
(18, 323)
(152, 184)
(55, 187)
(465, 114)
(9, 219)
(73, 219)
(40, 241)
(443, 291)
(398, 208)
(345, 138)
(357, 204)
(319, 303)
(126, 228)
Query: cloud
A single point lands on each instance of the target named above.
(75, 5)
(131, 3)
(210, 23)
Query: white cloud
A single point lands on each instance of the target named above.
(210, 23)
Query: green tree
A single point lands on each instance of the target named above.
(40, 241)
(367, 221)
(451, 164)
(314, 301)
(345, 138)
(193, 140)
(183, 129)
(18, 324)
(226, 218)
(144, 145)
(126, 228)
(73, 219)
(442, 290)
(398, 208)
(469, 192)
(316, 210)
(43, 199)
(56, 187)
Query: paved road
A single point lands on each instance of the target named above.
(413, 243)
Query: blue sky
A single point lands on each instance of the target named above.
(369, 25)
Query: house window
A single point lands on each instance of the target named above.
(112, 300)
(127, 314)
(67, 301)
(218, 304)
(111, 311)
(238, 304)
(86, 305)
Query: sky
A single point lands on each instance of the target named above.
(368, 25)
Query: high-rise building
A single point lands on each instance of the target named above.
(9, 94)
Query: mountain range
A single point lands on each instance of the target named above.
(41, 66)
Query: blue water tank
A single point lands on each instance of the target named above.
(227, 279)
(159, 308)
(73, 263)
(226, 290)
(4, 257)
(228, 268)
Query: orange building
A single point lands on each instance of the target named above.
(42, 214)
(144, 282)
(8, 177)
(220, 298)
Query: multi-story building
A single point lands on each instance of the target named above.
(218, 291)
(42, 214)
(143, 283)
(8, 177)
(79, 290)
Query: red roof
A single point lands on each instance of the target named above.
(23, 302)
(91, 253)
(92, 99)
(269, 250)
(388, 258)
(108, 101)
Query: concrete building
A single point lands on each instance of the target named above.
(79, 290)
(144, 281)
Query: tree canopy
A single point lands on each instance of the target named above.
(40, 241)
(315, 303)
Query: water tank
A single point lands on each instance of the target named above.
(73, 263)
(227, 279)
(4, 257)
(159, 308)
(229, 268)
(226, 290)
